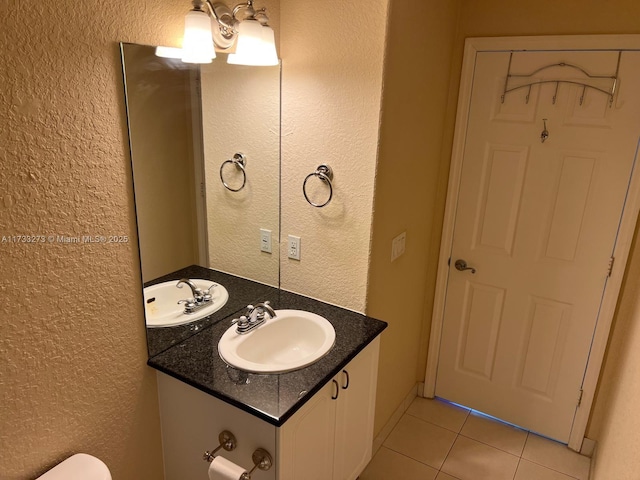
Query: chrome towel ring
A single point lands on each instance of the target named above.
(240, 161)
(324, 173)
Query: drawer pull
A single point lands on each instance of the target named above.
(334, 397)
(346, 385)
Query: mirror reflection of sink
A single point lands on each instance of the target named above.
(161, 306)
(293, 339)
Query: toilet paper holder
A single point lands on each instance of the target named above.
(261, 458)
(227, 441)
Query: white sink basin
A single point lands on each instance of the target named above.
(291, 340)
(161, 306)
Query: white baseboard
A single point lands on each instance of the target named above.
(395, 418)
(594, 459)
(588, 447)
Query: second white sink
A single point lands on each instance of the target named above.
(293, 339)
(161, 306)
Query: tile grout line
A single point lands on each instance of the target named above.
(492, 446)
(541, 464)
(449, 453)
(524, 445)
(459, 433)
(517, 467)
(454, 442)
(437, 425)
(410, 457)
(551, 468)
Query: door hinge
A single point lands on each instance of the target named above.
(611, 262)
(202, 189)
(580, 397)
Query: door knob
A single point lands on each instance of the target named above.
(462, 266)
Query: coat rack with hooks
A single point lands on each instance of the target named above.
(610, 92)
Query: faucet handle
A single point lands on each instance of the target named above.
(189, 305)
(243, 322)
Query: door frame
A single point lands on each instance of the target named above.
(199, 183)
(625, 230)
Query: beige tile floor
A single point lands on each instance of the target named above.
(435, 440)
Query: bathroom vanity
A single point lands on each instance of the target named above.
(317, 422)
(195, 205)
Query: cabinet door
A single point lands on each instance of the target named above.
(306, 440)
(355, 412)
(191, 421)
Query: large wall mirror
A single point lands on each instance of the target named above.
(205, 151)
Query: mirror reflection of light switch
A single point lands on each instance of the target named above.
(265, 240)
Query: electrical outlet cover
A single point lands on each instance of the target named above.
(398, 245)
(293, 247)
(265, 240)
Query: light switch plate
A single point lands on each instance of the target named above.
(293, 247)
(397, 245)
(265, 240)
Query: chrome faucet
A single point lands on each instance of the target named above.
(255, 316)
(201, 298)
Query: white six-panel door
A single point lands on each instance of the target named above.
(538, 221)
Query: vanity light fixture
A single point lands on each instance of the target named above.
(209, 24)
(197, 45)
(168, 52)
(256, 45)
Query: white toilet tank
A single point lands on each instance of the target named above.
(78, 467)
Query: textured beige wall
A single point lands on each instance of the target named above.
(241, 113)
(413, 108)
(618, 419)
(72, 341)
(331, 89)
(159, 101)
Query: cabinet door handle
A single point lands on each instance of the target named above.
(334, 397)
(346, 385)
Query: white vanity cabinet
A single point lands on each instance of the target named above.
(331, 436)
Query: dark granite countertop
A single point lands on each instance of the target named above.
(242, 292)
(273, 398)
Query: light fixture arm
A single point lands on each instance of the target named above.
(227, 19)
(212, 25)
(226, 22)
(251, 13)
(248, 6)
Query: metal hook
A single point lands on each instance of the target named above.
(545, 133)
(555, 95)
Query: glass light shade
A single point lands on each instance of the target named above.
(256, 45)
(168, 52)
(270, 55)
(197, 46)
